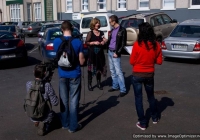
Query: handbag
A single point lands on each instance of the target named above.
(63, 61)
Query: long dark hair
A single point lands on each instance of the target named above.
(146, 33)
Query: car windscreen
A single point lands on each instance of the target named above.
(33, 24)
(75, 32)
(132, 22)
(103, 21)
(58, 33)
(186, 31)
(86, 22)
(6, 35)
(53, 34)
(44, 27)
(8, 28)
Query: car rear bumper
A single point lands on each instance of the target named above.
(13, 53)
(30, 32)
(181, 54)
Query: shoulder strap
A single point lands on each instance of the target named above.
(62, 38)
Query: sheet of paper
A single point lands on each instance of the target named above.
(129, 49)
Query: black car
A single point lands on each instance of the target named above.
(11, 47)
(14, 29)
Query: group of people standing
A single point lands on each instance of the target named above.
(96, 43)
(145, 54)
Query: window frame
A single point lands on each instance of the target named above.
(67, 5)
(30, 10)
(98, 6)
(167, 17)
(143, 8)
(194, 6)
(38, 8)
(82, 4)
(14, 15)
(167, 7)
(119, 2)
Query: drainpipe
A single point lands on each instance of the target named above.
(32, 9)
(60, 10)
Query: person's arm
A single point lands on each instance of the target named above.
(133, 56)
(124, 38)
(81, 55)
(49, 91)
(88, 42)
(159, 55)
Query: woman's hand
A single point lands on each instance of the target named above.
(96, 43)
(102, 43)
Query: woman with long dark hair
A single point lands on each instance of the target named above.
(145, 54)
(95, 41)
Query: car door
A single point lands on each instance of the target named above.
(169, 25)
(160, 26)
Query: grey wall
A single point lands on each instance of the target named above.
(180, 14)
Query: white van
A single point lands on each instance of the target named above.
(104, 21)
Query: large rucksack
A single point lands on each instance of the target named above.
(66, 56)
(34, 104)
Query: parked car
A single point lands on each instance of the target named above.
(22, 24)
(184, 41)
(44, 27)
(46, 48)
(8, 23)
(104, 19)
(14, 29)
(161, 22)
(11, 47)
(33, 28)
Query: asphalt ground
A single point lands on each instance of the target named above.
(103, 115)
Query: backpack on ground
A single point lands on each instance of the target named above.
(34, 104)
(66, 56)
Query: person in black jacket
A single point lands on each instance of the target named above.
(116, 42)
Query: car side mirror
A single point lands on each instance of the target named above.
(174, 21)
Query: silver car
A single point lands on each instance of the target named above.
(184, 41)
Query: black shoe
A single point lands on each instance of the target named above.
(122, 94)
(99, 85)
(77, 129)
(111, 90)
(90, 87)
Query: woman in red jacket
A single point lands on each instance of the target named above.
(145, 54)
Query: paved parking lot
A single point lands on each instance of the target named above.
(103, 114)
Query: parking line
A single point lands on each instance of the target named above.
(33, 50)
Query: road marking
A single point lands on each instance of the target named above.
(33, 50)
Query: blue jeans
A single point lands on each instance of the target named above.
(69, 90)
(149, 87)
(116, 72)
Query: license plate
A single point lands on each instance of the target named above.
(179, 47)
(8, 56)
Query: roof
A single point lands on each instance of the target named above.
(142, 15)
(191, 22)
(98, 14)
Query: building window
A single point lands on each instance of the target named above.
(195, 4)
(29, 12)
(38, 11)
(15, 12)
(168, 4)
(84, 5)
(101, 4)
(143, 5)
(121, 4)
(69, 6)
